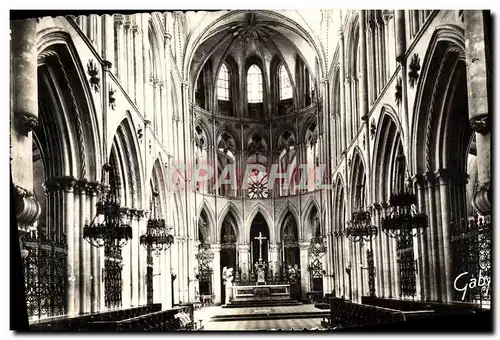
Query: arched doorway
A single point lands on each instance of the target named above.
(291, 254)
(259, 240)
(228, 249)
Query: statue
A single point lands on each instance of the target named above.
(260, 271)
(227, 275)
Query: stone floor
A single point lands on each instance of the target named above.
(260, 318)
(256, 325)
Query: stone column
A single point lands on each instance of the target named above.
(23, 117)
(142, 258)
(244, 260)
(85, 261)
(134, 257)
(127, 268)
(399, 17)
(342, 78)
(216, 278)
(95, 253)
(108, 43)
(305, 280)
(348, 113)
(120, 53)
(387, 16)
(363, 85)
(423, 253)
(138, 96)
(443, 176)
(388, 257)
(478, 56)
(431, 245)
(72, 264)
(274, 256)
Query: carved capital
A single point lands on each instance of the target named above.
(418, 180)
(430, 179)
(481, 124)
(482, 199)
(139, 213)
(376, 206)
(106, 65)
(215, 247)
(81, 186)
(93, 188)
(27, 207)
(304, 245)
(25, 122)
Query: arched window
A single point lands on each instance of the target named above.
(223, 83)
(285, 86)
(254, 84)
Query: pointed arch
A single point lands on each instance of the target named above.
(230, 208)
(357, 180)
(447, 45)
(127, 145)
(69, 118)
(389, 140)
(205, 207)
(287, 208)
(260, 208)
(307, 232)
(157, 178)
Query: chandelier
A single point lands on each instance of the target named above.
(107, 226)
(360, 227)
(156, 238)
(403, 218)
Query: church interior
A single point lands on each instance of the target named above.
(251, 169)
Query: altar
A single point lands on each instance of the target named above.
(261, 293)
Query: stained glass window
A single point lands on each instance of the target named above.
(254, 84)
(285, 86)
(223, 83)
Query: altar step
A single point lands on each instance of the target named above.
(262, 303)
(271, 313)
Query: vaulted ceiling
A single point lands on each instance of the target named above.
(265, 34)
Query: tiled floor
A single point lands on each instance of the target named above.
(254, 325)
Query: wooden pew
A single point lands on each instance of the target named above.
(345, 314)
(180, 318)
(81, 322)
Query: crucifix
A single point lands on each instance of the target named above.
(260, 238)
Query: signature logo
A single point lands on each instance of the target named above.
(464, 282)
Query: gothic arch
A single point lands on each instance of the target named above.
(204, 126)
(446, 49)
(306, 231)
(205, 207)
(127, 147)
(387, 141)
(259, 207)
(230, 208)
(69, 117)
(158, 179)
(357, 179)
(287, 208)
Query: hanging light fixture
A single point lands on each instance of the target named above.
(403, 218)
(108, 225)
(360, 227)
(156, 238)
